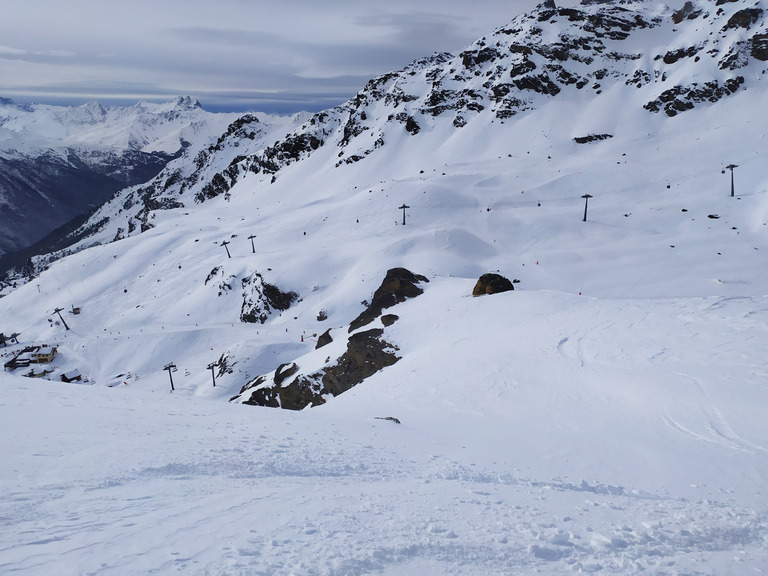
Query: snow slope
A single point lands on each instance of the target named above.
(606, 415)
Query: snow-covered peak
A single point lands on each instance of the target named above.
(146, 127)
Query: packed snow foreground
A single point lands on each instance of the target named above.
(606, 416)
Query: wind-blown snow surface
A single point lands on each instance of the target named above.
(608, 415)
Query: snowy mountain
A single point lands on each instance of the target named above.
(606, 415)
(58, 162)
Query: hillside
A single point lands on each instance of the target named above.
(606, 414)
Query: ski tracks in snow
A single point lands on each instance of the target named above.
(709, 423)
(293, 502)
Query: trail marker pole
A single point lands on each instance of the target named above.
(403, 207)
(224, 243)
(170, 367)
(586, 203)
(58, 311)
(251, 237)
(731, 167)
(211, 366)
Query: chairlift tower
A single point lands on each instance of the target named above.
(224, 243)
(58, 311)
(403, 207)
(170, 367)
(211, 367)
(731, 167)
(586, 202)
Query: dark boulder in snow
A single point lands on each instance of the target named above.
(591, 138)
(759, 47)
(389, 319)
(324, 339)
(492, 284)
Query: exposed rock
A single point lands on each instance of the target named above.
(297, 395)
(541, 83)
(324, 339)
(592, 138)
(687, 11)
(472, 58)
(366, 354)
(411, 126)
(492, 284)
(759, 47)
(261, 298)
(397, 285)
(389, 319)
(680, 98)
(674, 55)
(744, 18)
(284, 371)
(390, 418)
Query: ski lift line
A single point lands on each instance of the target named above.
(317, 220)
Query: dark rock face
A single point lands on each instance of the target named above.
(492, 284)
(411, 126)
(284, 371)
(324, 339)
(592, 138)
(673, 56)
(680, 98)
(744, 18)
(366, 354)
(297, 395)
(389, 319)
(686, 12)
(398, 285)
(260, 299)
(759, 47)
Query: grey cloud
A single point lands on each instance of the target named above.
(214, 55)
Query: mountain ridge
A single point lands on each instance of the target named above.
(583, 51)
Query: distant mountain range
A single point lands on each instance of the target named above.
(59, 163)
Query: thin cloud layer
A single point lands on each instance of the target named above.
(231, 55)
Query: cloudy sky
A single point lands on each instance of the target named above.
(272, 56)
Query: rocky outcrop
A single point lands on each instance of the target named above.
(492, 284)
(682, 98)
(591, 138)
(367, 352)
(324, 339)
(398, 285)
(259, 298)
